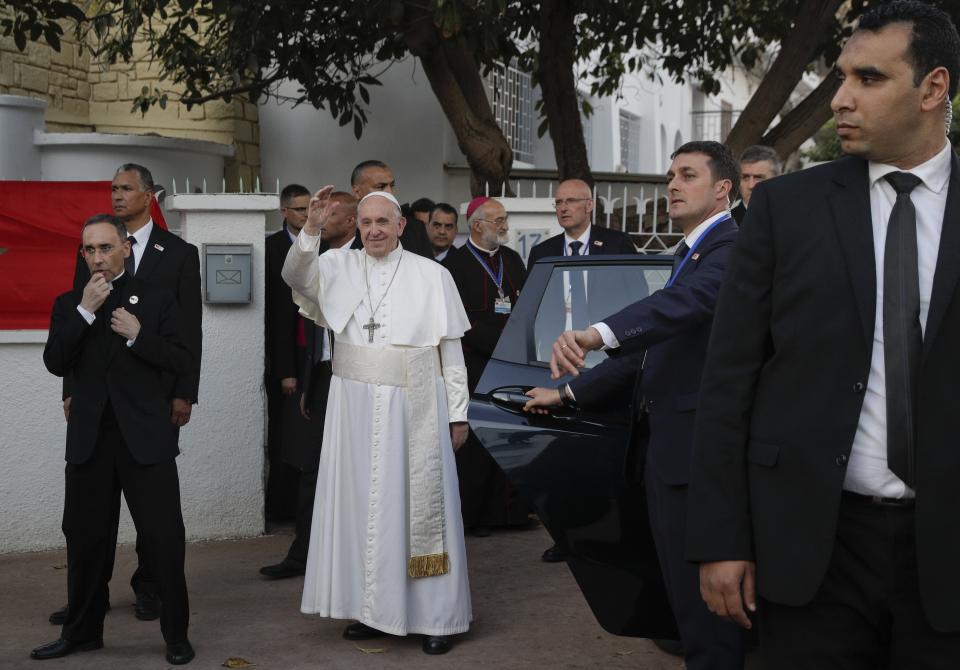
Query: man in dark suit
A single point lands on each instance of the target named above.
(489, 276)
(573, 201)
(116, 337)
(442, 230)
(374, 175)
(284, 341)
(305, 349)
(657, 347)
(161, 259)
(826, 459)
(584, 302)
(757, 163)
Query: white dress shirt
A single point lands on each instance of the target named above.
(610, 341)
(867, 471)
(584, 251)
(142, 236)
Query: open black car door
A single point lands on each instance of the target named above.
(577, 467)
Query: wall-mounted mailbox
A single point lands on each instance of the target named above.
(227, 273)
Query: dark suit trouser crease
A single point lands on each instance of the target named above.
(867, 614)
(709, 642)
(91, 510)
(306, 494)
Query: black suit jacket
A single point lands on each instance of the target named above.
(105, 370)
(671, 328)
(478, 293)
(281, 314)
(784, 385)
(739, 212)
(602, 241)
(173, 264)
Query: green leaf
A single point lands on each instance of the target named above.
(345, 117)
(52, 35)
(543, 127)
(20, 39)
(357, 127)
(364, 94)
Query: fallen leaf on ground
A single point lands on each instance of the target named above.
(59, 567)
(371, 650)
(624, 653)
(237, 662)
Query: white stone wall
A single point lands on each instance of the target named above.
(222, 464)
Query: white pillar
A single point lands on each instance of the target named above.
(222, 464)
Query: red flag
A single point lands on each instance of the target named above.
(40, 223)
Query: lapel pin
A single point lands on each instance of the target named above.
(157, 247)
(598, 243)
(134, 300)
(696, 256)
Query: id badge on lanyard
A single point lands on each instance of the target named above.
(502, 305)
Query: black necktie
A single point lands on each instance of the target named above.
(578, 295)
(902, 336)
(678, 256)
(129, 263)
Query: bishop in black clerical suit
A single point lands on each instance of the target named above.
(117, 338)
(489, 277)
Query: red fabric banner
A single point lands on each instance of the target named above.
(40, 223)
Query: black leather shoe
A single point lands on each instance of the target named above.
(436, 644)
(361, 631)
(480, 531)
(554, 554)
(59, 617)
(147, 607)
(61, 647)
(180, 653)
(284, 569)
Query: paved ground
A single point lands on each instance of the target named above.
(527, 614)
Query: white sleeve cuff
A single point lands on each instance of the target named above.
(609, 339)
(130, 342)
(308, 242)
(87, 316)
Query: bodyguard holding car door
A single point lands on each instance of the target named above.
(657, 347)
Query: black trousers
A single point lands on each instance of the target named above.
(301, 540)
(867, 614)
(91, 510)
(709, 642)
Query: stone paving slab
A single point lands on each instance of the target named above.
(527, 614)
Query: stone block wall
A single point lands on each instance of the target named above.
(87, 95)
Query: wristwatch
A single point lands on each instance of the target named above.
(566, 396)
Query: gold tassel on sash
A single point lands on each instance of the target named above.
(430, 565)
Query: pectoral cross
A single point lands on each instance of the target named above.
(370, 328)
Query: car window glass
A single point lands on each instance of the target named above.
(605, 290)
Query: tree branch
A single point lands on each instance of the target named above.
(801, 122)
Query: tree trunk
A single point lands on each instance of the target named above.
(455, 78)
(556, 78)
(797, 50)
(803, 120)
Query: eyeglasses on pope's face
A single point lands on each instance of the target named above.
(568, 202)
(298, 210)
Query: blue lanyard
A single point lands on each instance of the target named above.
(713, 225)
(498, 280)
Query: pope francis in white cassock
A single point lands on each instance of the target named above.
(387, 547)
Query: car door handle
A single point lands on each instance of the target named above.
(511, 397)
